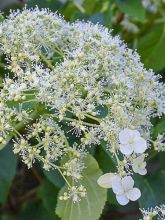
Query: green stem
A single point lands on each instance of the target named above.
(72, 120)
(106, 90)
(117, 159)
(92, 117)
(59, 51)
(47, 61)
(55, 167)
(31, 100)
(83, 122)
(17, 132)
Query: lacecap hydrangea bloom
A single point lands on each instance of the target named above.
(76, 74)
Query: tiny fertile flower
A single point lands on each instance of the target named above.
(123, 188)
(139, 165)
(130, 141)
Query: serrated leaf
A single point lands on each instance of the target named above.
(132, 8)
(89, 208)
(8, 163)
(152, 48)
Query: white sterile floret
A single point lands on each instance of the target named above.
(130, 141)
(105, 180)
(124, 190)
(139, 165)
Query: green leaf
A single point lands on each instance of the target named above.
(132, 8)
(55, 178)
(152, 190)
(48, 193)
(8, 163)
(112, 161)
(104, 158)
(7, 141)
(152, 48)
(88, 208)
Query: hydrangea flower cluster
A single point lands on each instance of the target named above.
(77, 74)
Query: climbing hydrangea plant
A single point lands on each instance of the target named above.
(71, 88)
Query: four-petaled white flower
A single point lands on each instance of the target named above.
(130, 141)
(139, 165)
(123, 188)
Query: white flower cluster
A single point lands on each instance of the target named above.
(48, 139)
(157, 212)
(89, 81)
(10, 118)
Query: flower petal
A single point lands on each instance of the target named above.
(117, 186)
(140, 145)
(142, 172)
(126, 149)
(127, 183)
(133, 194)
(124, 136)
(122, 199)
(135, 133)
(139, 169)
(105, 180)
